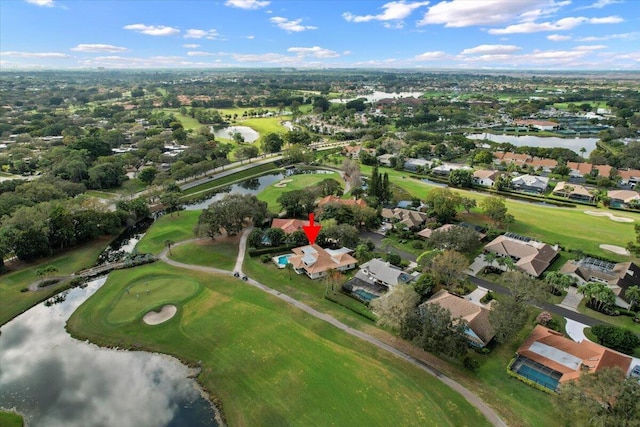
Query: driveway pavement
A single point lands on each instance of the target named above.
(572, 300)
(477, 295)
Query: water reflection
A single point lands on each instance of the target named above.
(55, 380)
(574, 144)
(248, 134)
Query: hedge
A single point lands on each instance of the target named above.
(527, 380)
(253, 252)
(358, 308)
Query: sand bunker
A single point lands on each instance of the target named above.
(615, 249)
(283, 183)
(611, 217)
(155, 318)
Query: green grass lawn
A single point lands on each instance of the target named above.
(10, 419)
(149, 291)
(300, 182)
(265, 125)
(623, 321)
(570, 227)
(272, 364)
(209, 253)
(176, 227)
(14, 302)
(188, 122)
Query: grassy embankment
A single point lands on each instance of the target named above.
(13, 302)
(299, 182)
(10, 419)
(268, 362)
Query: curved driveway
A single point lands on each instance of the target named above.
(471, 397)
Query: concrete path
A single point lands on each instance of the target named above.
(572, 300)
(477, 295)
(471, 397)
(575, 330)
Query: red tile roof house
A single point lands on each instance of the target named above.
(549, 359)
(290, 225)
(316, 262)
(476, 317)
(530, 256)
(337, 200)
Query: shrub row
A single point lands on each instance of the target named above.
(355, 305)
(253, 252)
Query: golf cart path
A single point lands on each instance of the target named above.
(471, 397)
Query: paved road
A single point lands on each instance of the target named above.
(471, 397)
(377, 239)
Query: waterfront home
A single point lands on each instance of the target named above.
(530, 183)
(572, 191)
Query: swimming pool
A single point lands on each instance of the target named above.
(537, 376)
(364, 295)
(283, 260)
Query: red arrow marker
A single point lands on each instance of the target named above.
(311, 230)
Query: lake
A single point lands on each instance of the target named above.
(55, 380)
(247, 133)
(574, 144)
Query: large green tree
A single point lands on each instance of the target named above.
(231, 214)
(443, 204)
(495, 208)
(394, 306)
(601, 399)
(297, 203)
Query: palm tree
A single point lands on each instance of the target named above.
(558, 282)
(332, 278)
(289, 268)
(633, 294)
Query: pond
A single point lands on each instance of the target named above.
(247, 133)
(574, 144)
(252, 186)
(124, 244)
(55, 380)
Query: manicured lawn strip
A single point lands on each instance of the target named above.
(265, 125)
(176, 227)
(14, 302)
(188, 122)
(10, 419)
(623, 321)
(300, 182)
(208, 253)
(272, 364)
(229, 179)
(570, 227)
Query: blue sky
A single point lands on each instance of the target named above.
(464, 34)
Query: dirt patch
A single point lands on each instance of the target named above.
(615, 249)
(283, 183)
(165, 313)
(611, 217)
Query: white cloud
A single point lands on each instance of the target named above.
(490, 49)
(152, 30)
(392, 11)
(590, 48)
(43, 3)
(622, 36)
(191, 46)
(247, 4)
(464, 13)
(249, 37)
(436, 55)
(99, 48)
(606, 20)
(262, 57)
(600, 4)
(14, 54)
(316, 51)
(291, 26)
(199, 53)
(558, 38)
(199, 34)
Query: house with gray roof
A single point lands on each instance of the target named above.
(379, 272)
(530, 183)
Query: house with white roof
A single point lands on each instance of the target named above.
(316, 262)
(530, 183)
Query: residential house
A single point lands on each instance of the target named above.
(409, 218)
(485, 177)
(379, 272)
(427, 232)
(413, 164)
(548, 358)
(619, 277)
(629, 177)
(316, 262)
(385, 159)
(541, 164)
(530, 256)
(579, 169)
(530, 183)
(355, 151)
(337, 200)
(623, 198)
(475, 316)
(446, 168)
(290, 225)
(572, 191)
(509, 158)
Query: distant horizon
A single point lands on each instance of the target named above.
(514, 35)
